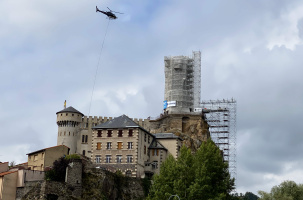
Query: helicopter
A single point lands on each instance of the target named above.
(110, 14)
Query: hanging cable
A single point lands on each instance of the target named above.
(91, 98)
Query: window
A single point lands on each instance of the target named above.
(119, 158)
(148, 139)
(83, 152)
(109, 133)
(35, 157)
(144, 149)
(84, 138)
(68, 133)
(129, 145)
(98, 159)
(99, 133)
(128, 173)
(66, 114)
(120, 133)
(108, 158)
(155, 152)
(130, 132)
(155, 165)
(119, 145)
(109, 145)
(98, 145)
(145, 137)
(129, 158)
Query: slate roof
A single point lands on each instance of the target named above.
(119, 122)
(156, 145)
(166, 136)
(70, 110)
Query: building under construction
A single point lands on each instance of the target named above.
(182, 96)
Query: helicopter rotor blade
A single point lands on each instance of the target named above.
(117, 12)
(109, 9)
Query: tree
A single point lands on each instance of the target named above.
(57, 173)
(203, 175)
(250, 196)
(287, 190)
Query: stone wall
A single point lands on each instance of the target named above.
(96, 184)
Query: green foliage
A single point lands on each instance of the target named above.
(250, 196)
(146, 183)
(287, 190)
(73, 157)
(57, 173)
(202, 175)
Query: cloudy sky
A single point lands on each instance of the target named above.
(251, 51)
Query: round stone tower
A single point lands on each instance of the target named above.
(68, 121)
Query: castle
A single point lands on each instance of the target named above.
(137, 147)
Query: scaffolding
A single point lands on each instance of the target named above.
(182, 82)
(197, 78)
(221, 116)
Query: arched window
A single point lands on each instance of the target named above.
(86, 138)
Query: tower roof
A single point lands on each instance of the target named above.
(70, 110)
(119, 122)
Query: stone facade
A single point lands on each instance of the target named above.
(44, 158)
(121, 144)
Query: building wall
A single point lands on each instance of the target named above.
(46, 157)
(3, 167)
(158, 158)
(9, 183)
(36, 161)
(173, 145)
(114, 151)
(144, 141)
(54, 153)
(29, 175)
(1, 187)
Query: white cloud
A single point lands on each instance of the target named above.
(285, 31)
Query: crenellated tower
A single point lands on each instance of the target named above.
(68, 121)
